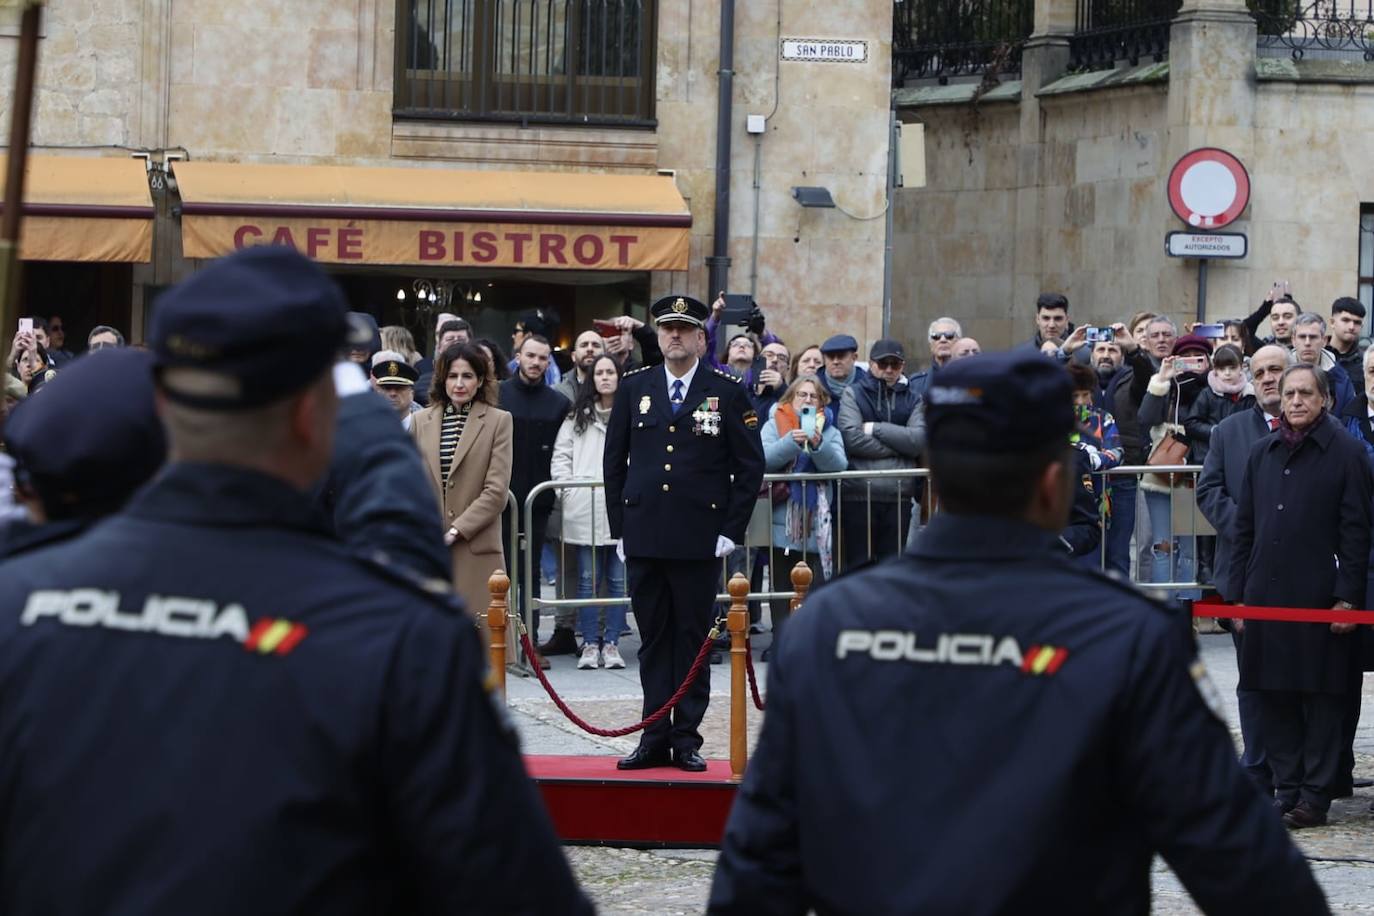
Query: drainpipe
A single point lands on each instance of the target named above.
(718, 263)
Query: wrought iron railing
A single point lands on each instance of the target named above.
(1107, 32)
(561, 61)
(1332, 29)
(939, 39)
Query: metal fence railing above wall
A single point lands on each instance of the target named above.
(940, 39)
(1317, 29)
(1108, 32)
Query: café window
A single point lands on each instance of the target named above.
(527, 61)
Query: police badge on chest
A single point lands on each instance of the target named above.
(706, 418)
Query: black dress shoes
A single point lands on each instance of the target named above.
(690, 761)
(643, 759)
(1304, 815)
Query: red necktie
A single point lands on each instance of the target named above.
(1273, 424)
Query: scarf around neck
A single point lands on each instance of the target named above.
(1293, 437)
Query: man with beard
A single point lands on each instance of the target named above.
(1302, 538)
(1281, 310)
(586, 350)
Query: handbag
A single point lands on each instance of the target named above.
(778, 491)
(1172, 448)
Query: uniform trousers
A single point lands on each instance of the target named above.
(673, 602)
(1252, 731)
(1302, 741)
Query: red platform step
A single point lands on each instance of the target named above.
(592, 803)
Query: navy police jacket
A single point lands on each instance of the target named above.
(981, 727)
(208, 706)
(675, 482)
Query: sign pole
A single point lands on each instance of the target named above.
(1202, 289)
(21, 114)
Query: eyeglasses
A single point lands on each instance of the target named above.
(888, 363)
(944, 335)
(806, 395)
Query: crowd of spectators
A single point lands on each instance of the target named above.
(1147, 393)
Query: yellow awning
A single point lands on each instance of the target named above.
(85, 209)
(436, 217)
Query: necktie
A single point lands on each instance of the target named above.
(1273, 424)
(676, 396)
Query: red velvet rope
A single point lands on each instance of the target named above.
(753, 680)
(629, 729)
(1289, 614)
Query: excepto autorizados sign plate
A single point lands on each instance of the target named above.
(1206, 245)
(825, 50)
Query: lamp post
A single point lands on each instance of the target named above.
(21, 115)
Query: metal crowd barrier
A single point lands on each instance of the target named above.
(1185, 524)
(760, 536)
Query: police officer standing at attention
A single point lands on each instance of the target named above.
(212, 707)
(683, 464)
(981, 726)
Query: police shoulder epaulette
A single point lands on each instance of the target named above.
(637, 371)
(723, 374)
(438, 590)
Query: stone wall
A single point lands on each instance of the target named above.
(1092, 166)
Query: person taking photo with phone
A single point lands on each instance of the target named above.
(801, 437)
(1169, 398)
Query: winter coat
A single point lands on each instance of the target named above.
(1162, 411)
(475, 495)
(780, 453)
(537, 412)
(1210, 408)
(578, 456)
(897, 440)
(1302, 539)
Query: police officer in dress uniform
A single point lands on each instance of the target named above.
(84, 447)
(213, 707)
(983, 726)
(683, 464)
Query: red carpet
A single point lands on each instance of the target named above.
(591, 802)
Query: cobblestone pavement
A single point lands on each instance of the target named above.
(634, 881)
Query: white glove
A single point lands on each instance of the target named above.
(620, 548)
(1094, 456)
(724, 546)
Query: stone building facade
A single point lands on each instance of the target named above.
(313, 82)
(1057, 180)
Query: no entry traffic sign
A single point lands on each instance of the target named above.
(1208, 188)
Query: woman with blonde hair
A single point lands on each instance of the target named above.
(801, 437)
(395, 337)
(465, 441)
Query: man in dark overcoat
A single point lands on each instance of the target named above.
(1302, 538)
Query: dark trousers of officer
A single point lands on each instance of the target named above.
(1252, 731)
(873, 530)
(534, 543)
(673, 603)
(1302, 740)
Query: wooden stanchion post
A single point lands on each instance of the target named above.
(801, 584)
(499, 586)
(738, 625)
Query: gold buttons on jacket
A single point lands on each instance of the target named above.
(667, 467)
(672, 429)
(665, 488)
(670, 448)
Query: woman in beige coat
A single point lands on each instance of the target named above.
(465, 441)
